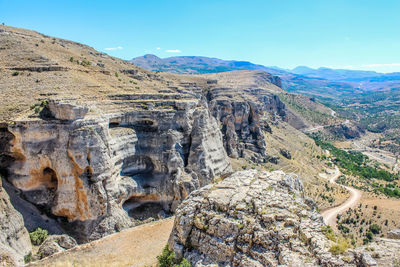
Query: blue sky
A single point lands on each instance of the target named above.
(358, 34)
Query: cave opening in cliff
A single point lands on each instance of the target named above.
(137, 165)
(50, 179)
(145, 207)
(145, 126)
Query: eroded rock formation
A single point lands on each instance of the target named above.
(251, 219)
(92, 173)
(244, 116)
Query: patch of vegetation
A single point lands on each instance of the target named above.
(355, 163)
(309, 113)
(15, 73)
(168, 259)
(38, 236)
(85, 63)
(28, 258)
(39, 106)
(340, 247)
(375, 229)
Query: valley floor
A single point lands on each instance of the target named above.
(137, 246)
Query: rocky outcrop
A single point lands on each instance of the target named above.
(381, 252)
(65, 111)
(286, 153)
(251, 219)
(345, 131)
(93, 173)
(394, 234)
(244, 116)
(14, 238)
(55, 244)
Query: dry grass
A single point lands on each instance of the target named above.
(138, 246)
(87, 75)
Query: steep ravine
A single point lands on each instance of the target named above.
(91, 172)
(76, 169)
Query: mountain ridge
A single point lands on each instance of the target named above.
(322, 82)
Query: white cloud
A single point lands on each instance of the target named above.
(158, 48)
(381, 65)
(113, 48)
(173, 51)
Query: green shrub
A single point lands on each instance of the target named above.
(168, 259)
(184, 263)
(375, 229)
(15, 73)
(28, 258)
(38, 236)
(341, 246)
(37, 109)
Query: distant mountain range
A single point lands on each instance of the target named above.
(322, 82)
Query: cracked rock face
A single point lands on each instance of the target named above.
(93, 173)
(251, 219)
(14, 238)
(245, 119)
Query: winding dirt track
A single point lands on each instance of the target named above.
(330, 214)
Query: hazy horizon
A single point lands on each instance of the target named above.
(337, 34)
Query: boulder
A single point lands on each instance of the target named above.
(286, 153)
(54, 244)
(66, 111)
(251, 218)
(394, 234)
(367, 260)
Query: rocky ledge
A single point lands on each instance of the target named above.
(251, 219)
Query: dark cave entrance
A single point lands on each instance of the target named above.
(144, 207)
(50, 179)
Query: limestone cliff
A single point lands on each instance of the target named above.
(87, 171)
(96, 143)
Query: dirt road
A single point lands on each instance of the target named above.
(138, 246)
(330, 214)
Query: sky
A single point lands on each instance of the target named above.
(352, 34)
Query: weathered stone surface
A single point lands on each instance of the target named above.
(66, 111)
(394, 234)
(251, 219)
(54, 244)
(367, 260)
(381, 252)
(97, 172)
(7, 258)
(14, 238)
(245, 119)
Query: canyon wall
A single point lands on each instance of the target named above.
(92, 174)
(91, 169)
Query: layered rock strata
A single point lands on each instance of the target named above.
(245, 116)
(91, 172)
